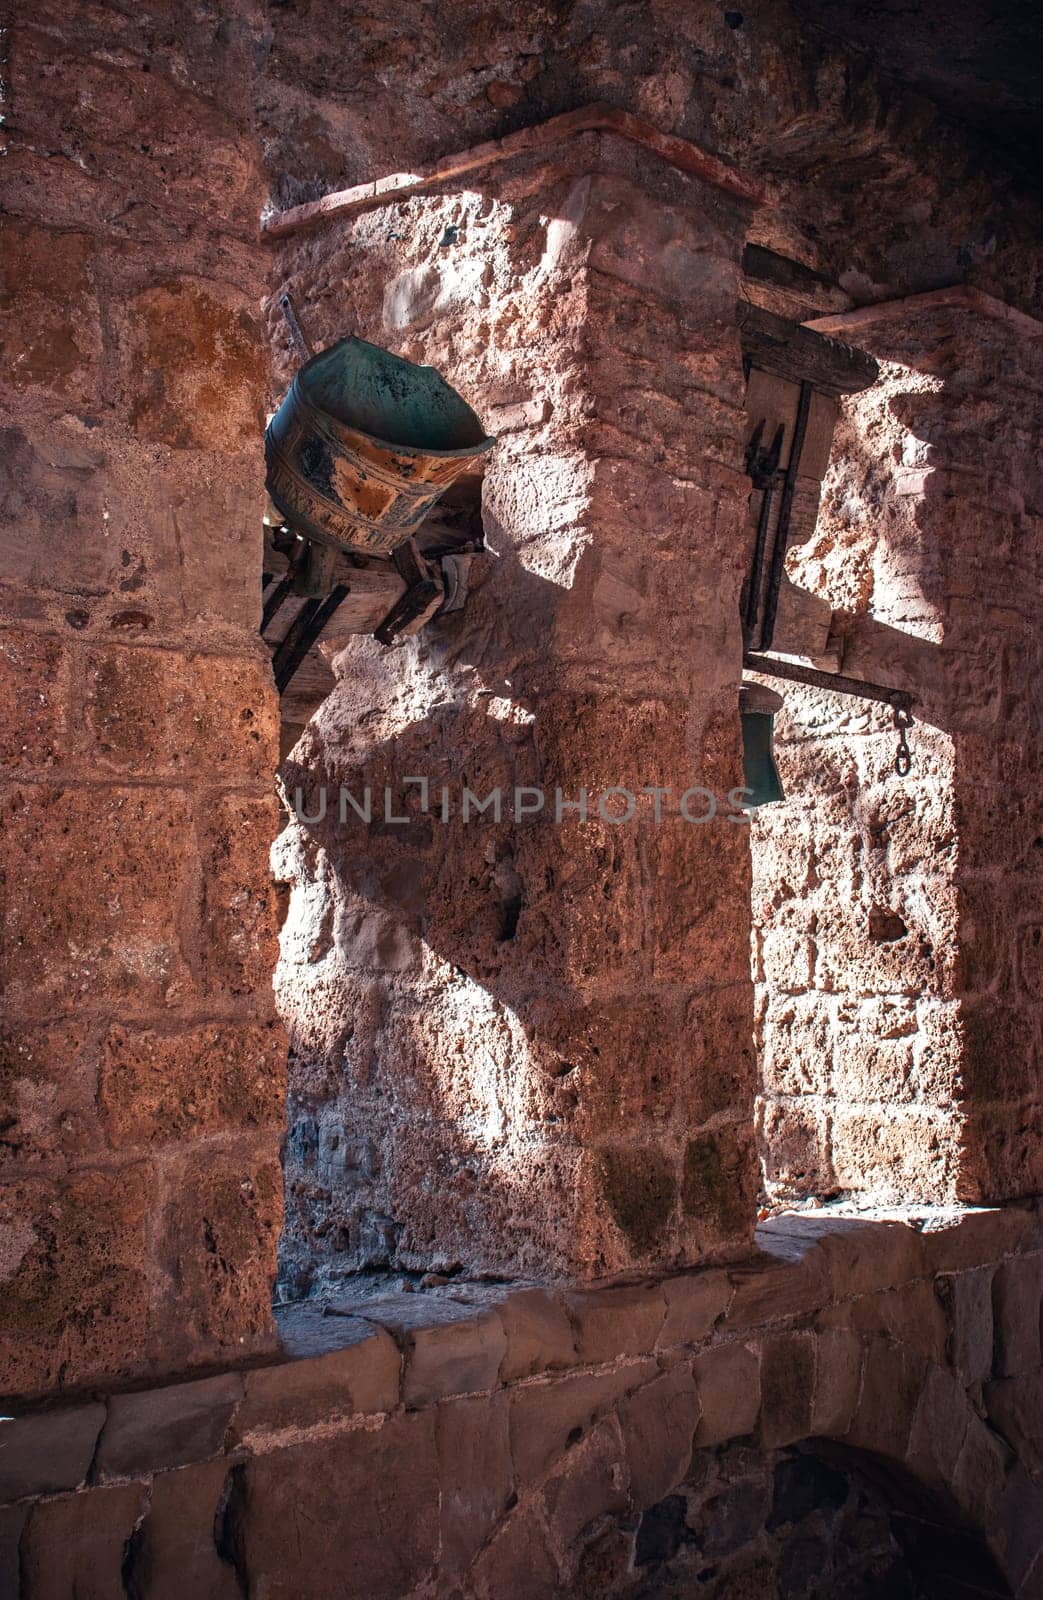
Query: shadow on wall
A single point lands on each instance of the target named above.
(503, 1032)
(817, 1521)
(899, 950)
(450, 1067)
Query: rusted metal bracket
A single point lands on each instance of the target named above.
(762, 466)
(900, 700)
(306, 629)
(420, 591)
(789, 489)
(298, 337)
(836, 682)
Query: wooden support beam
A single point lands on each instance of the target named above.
(803, 354)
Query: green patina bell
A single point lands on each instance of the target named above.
(364, 444)
(758, 707)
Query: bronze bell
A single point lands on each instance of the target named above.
(758, 708)
(364, 444)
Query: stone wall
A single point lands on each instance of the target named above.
(858, 1404)
(859, 1031)
(897, 933)
(142, 1064)
(525, 1044)
(876, 189)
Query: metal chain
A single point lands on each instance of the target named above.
(903, 755)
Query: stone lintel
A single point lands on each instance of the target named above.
(596, 118)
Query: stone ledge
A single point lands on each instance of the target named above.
(170, 1427)
(849, 1288)
(959, 297)
(49, 1452)
(596, 118)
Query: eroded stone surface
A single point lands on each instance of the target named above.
(735, 1445)
(136, 698)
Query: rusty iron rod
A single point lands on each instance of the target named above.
(298, 337)
(789, 489)
(835, 682)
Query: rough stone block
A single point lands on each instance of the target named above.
(967, 1299)
(76, 1545)
(594, 1048)
(238, 950)
(47, 1453)
(1015, 1410)
(161, 1428)
(718, 1186)
(93, 886)
(48, 1087)
(217, 1233)
(860, 1256)
(12, 1526)
(770, 1292)
(978, 1480)
(614, 1322)
(728, 1381)
(545, 1416)
(586, 1484)
(797, 1056)
(718, 1063)
(788, 957)
(338, 1367)
(909, 1153)
(75, 1260)
(694, 1303)
(539, 1335)
(909, 1313)
(787, 1374)
(448, 1348)
(638, 1188)
(201, 717)
(1003, 1149)
(658, 1424)
(700, 882)
(876, 1053)
(54, 339)
(156, 1088)
(1017, 1293)
(965, 1237)
(517, 1561)
(194, 362)
(476, 1475)
(939, 1429)
(174, 1551)
(892, 1378)
(838, 1378)
(796, 1145)
(375, 1554)
(34, 678)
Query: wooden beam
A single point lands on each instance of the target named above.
(596, 118)
(788, 287)
(802, 354)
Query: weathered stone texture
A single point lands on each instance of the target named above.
(907, 1065)
(816, 1446)
(140, 724)
(530, 1008)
